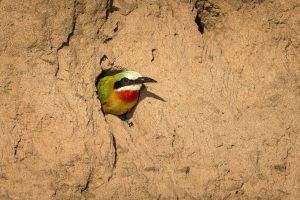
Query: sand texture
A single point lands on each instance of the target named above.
(222, 122)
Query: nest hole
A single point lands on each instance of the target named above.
(199, 24)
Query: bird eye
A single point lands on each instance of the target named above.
(125, 80)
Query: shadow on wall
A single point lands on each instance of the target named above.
(144, 94)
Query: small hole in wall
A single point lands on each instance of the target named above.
(199, 24)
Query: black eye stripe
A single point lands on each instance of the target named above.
(117, 84)
(121, 83)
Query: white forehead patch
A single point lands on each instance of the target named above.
(132, 75)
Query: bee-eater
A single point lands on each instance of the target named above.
(119, 93)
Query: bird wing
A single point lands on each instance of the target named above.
(104, 88)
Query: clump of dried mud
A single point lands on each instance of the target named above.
(227, 70)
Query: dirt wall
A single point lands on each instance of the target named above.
(221, 123)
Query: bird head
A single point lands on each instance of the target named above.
(130, 80)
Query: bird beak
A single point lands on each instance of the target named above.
(142, 80)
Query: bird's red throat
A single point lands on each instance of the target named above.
(128, 95)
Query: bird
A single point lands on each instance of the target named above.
(119, 93)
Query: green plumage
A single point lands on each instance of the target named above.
(105, 87)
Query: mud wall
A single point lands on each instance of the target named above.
(222, 123)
